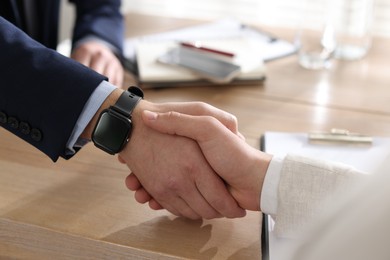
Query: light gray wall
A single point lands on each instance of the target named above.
(66, 20)
(284, 13)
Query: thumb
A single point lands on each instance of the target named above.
(199, 128)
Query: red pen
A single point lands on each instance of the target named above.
(199, 47)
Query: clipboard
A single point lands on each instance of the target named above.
(365, 153)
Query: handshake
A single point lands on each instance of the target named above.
(190, 159)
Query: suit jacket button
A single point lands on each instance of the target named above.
(24, 128)
(13, 122)
(3, 118)
(36, 134)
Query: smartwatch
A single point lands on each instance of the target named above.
(113, 128)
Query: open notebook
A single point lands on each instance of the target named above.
(365, 158)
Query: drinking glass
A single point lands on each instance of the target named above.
(315, 39)
(352, 22)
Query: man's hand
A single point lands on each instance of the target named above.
(173, 169)
(100, 58)
(240, 165)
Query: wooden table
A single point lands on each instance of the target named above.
(80, 209)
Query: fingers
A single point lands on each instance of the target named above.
(153, 204)
(182, 198)
(203, 194)
(188, 190)
(206, 194)
(214, 140)
(105, 63)
(175, 205)
(200, 128)
(101, 59)
(141, 195)
(207, 199)
(114, 71)
(82, 56)
(132, 182)
(214, 191)
(121, 160)
(203, 109)
(99, 63)
(174, 171)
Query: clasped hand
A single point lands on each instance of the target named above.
(101, 59)
(192, 162)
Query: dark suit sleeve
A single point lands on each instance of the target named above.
(100, 18)
(42, 93)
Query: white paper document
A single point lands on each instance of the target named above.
(268, 46)
(365, 158)
(249, 46)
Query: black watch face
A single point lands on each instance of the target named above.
(111, 132)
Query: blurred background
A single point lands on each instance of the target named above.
(283, 13)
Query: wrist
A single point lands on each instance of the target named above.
(109, 101)
(113, 123)
(264, 161)
(256, 175)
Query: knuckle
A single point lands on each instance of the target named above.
(232, 118)
(173, 115)
(160, 192)
(201, 107)
(192, 169)
(173, 185)
(83, 47)
(204, 106)
(219, 205)
(211, 123)
(232, 121)
(212, 120)
(100, 54)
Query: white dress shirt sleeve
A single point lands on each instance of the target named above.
(94, 102)
(269, 193)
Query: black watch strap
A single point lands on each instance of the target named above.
(128, 100)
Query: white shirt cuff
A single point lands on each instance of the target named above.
(91, 107)
(269, 193)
